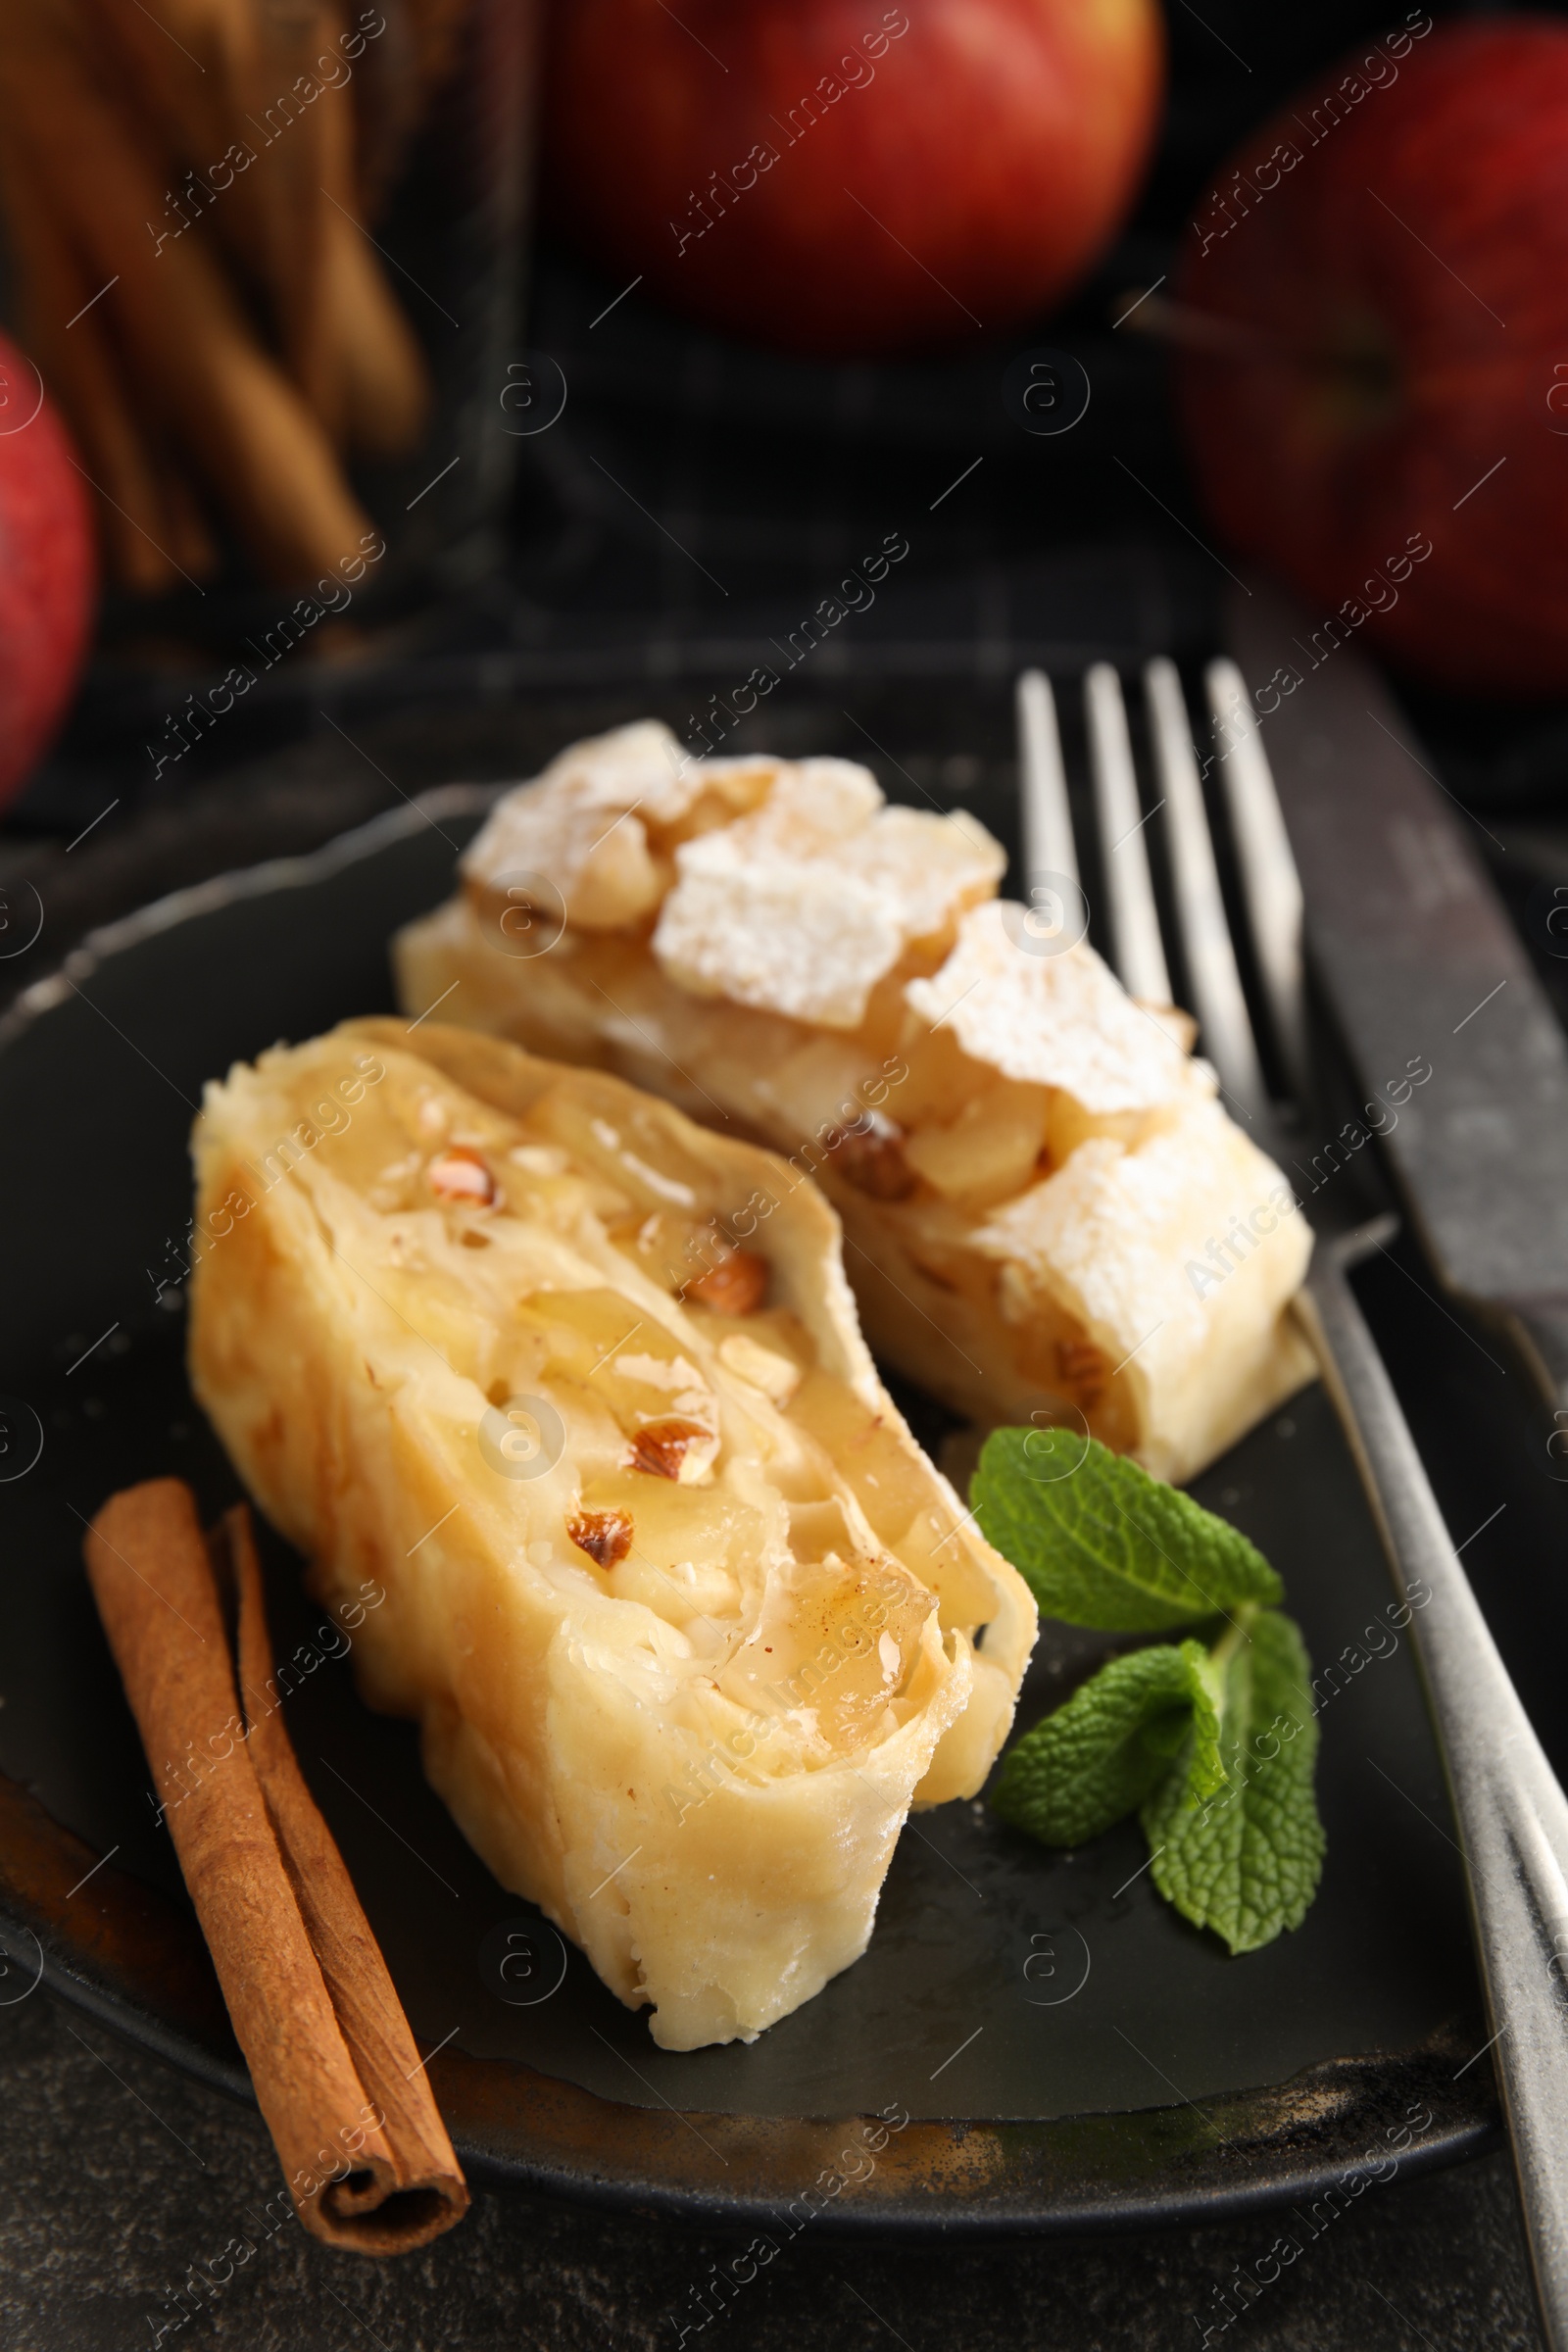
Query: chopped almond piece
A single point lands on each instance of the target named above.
(459, 1174)
(604, 1536)
(1083, 1370)
(663, 1448)
(736, 1284)
(872, 1159)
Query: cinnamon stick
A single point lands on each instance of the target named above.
(182, 68)
(375, 358)
(79, 372)
(437, 28)
(287, 180)
(367, 2159)
(385, 2055)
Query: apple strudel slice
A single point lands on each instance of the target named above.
(1048, 1212)
(687, 1619)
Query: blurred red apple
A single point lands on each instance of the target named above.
(48, 569)
(835, 176)
(1382, 360)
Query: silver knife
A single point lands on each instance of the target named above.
(1420, 964)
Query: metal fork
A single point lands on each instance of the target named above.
(1511, 1809)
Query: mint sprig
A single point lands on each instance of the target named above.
(1101, 1544)
(1215, 1746)
(1245, 1859)
(1113, 1744)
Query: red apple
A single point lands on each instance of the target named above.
(1383, 356)
(48, 569)
(835, 176)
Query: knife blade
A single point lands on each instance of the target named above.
(1415, 955)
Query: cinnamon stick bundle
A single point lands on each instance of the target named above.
(336, 2071)
(199, 171)
(183, 329)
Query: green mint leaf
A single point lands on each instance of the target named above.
(1112, 1745)
(1244, 1859)
(1101, 1544)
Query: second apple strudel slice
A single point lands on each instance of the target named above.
(1048, 1210)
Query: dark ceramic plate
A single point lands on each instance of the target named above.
(1070, 2052)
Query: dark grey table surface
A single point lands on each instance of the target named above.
(118, 2174)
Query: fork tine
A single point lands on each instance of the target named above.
(1048, 842)
(1224, 1023)
(1139, 956)
(1270, 883)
